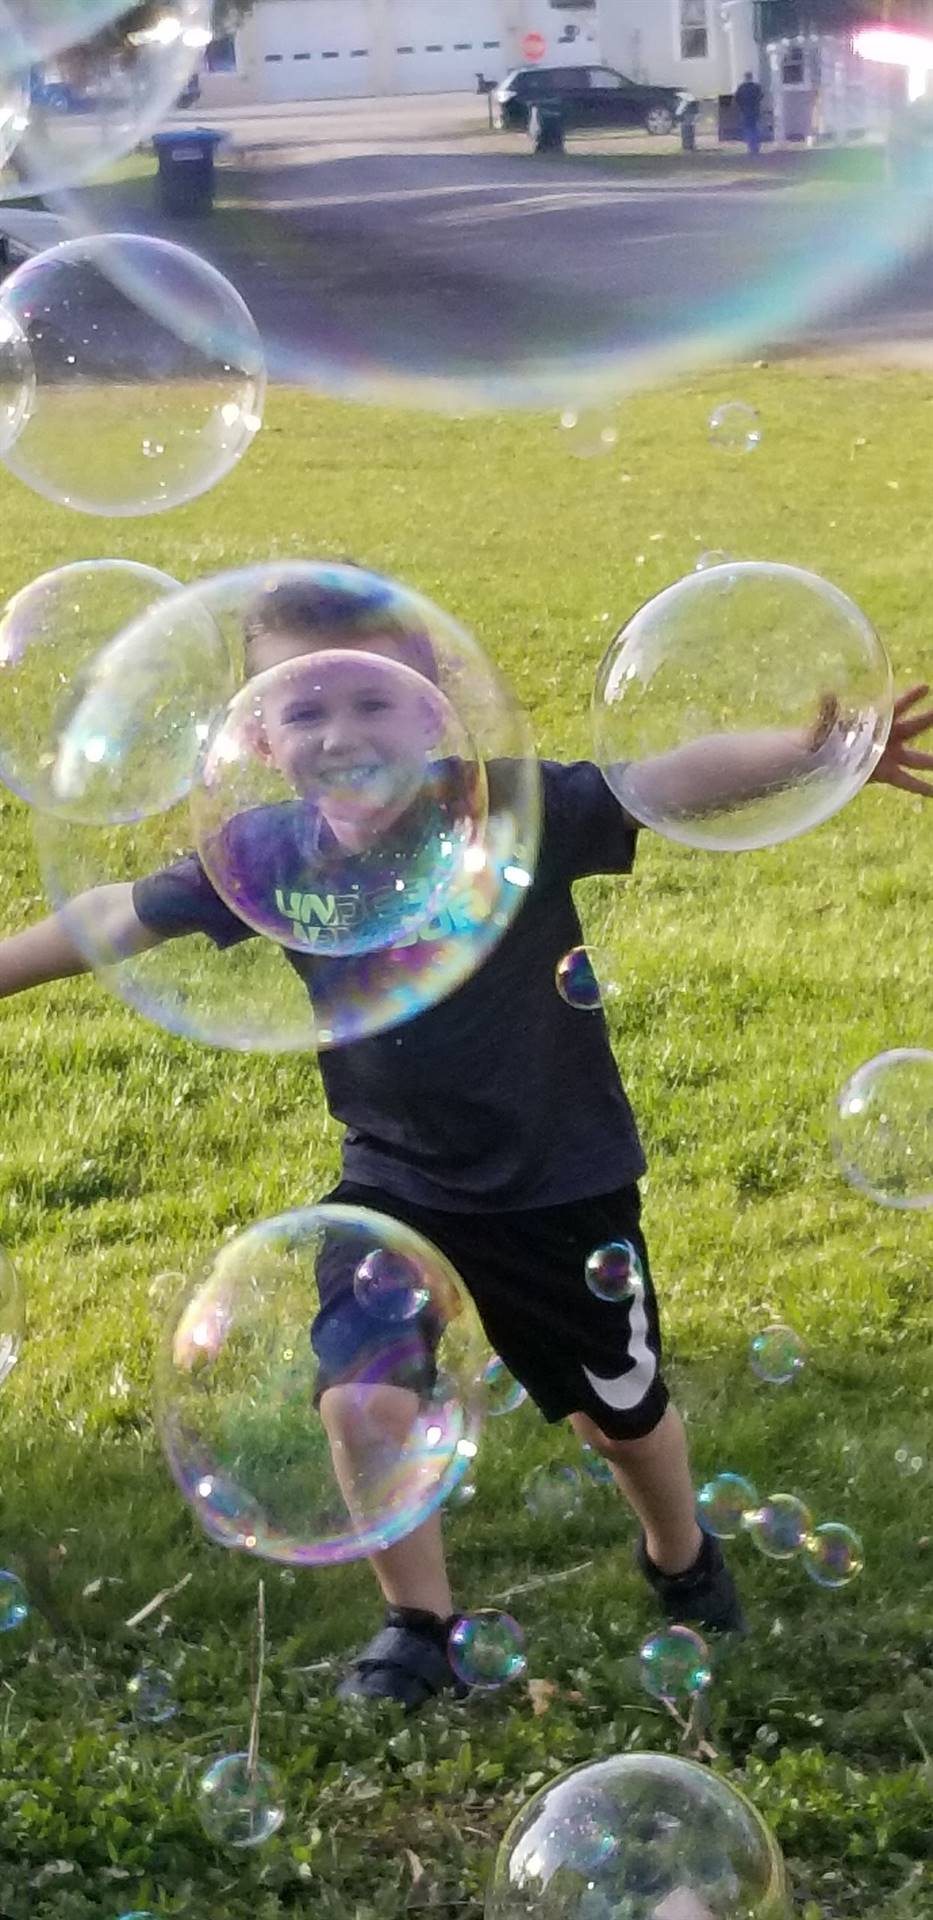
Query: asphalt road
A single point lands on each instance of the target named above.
(393, 248)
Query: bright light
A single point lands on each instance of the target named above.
(893, 49)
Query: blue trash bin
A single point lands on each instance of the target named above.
(186, 170)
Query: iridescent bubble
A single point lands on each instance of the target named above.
(132, 340)
(553, 1493)
(220, 984)
(596, 1467)
(882, 1128)
(742, 706)
(779, 1526)
(486, 1649)
(461, 1495)
(909, 1460)
(735, 427)
(500, 1392)
(300, 1426)
(240, 1804)
(340, 776)
(17, 380)
(614, 1272)
(12, 1315)
(674, 1663)
(389, 1286)
(95, 95)
(715, 557)
(832, 1554)
(586, 433)
(151, 1694)
(14, 1603)
(646, 1835)
(777, 1355)
(584, 978)
(723, 1503)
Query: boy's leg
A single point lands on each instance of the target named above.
(412, 1571)
(654, 1474)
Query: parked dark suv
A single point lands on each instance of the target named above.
(587, 97)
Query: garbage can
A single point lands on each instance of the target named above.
(546, 127)
(688, 126)
(186, 169)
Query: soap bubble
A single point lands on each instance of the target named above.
(461, 1495)
(584, 978)
(882, 1128)
(486, 1649)
(151, 1694)
(735, 427)
(647, 1835)
(777, 1355)
(909, 1460)
(553, 1493)
(715, 557)
(98, 95)
(251, 993)
(674, 1663)
(340, 777)
(596, 1466)
(240, 1803)
(149, 374)
(12, 1316)
(270, 1325)
(832, 1554)
(588, 433)
(17, 381)
(723, 1503)
(14, 1603)
(742, 706)
(390, 1286)
(93, 726)
(779, 1526)
(614, 1272)
(499, 1390)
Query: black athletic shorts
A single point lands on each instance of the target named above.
(525, 1270)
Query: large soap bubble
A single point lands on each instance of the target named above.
(742, 706)
(218, 984)
(882, 1128)
(345, 779)
(300, 1424)
(91, 726)
(647, 1835)
(149, 374)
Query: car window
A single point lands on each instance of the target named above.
(570, 79)
(606, 80)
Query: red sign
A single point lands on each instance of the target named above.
(533, 46)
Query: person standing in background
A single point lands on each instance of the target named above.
(748, 99)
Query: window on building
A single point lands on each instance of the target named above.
(220, 54)
(694, 30)
(792, 67)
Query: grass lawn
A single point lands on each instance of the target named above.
(751, 987)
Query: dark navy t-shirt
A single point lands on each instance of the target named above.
(501, 1096)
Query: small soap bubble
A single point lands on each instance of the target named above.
(239, 1804)
(596, 1467)
(882, 1128)
(674, 1663)
(614, 1272)
(832, 1554)
(586, 434)
(715, 557)
(14, 1604)
(151, 1696)
(500, 1392)
(584, 979)
(777, 1355)
(779, 1526)
(723, 1503)
(553, 1493)
(487, 1648)
(909, 1461)
(462, 1494)
(735, 427)
(389, 1286)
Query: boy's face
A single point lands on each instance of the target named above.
(350, 727)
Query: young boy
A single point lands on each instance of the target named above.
(495, 1124)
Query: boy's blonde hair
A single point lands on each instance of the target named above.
(327, 613)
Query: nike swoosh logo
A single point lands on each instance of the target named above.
(626, 1390)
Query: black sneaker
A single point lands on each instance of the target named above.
(405, 1661)
(704, 1596)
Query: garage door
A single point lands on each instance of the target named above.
(441, 45)
(313, 49)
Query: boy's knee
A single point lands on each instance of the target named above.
(613, 1447)
(367, 1415)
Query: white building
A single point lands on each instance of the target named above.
(324, 49)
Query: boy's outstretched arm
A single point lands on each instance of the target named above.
(48, 951)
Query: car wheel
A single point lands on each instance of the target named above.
(659, 120)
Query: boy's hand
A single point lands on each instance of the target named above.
(900, 764)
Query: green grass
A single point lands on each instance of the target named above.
(750, 987)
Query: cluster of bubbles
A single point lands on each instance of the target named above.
(782, 1528)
